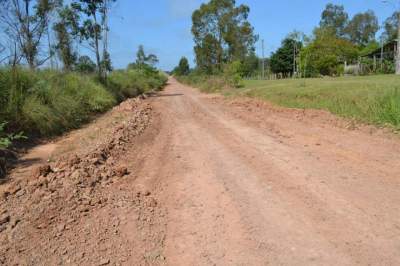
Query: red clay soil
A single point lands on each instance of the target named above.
(195, 179)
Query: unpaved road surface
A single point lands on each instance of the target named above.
(248, 188)
(239, 182)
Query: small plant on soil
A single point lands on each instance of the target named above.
(7, 139)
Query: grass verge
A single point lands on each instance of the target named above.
(46, 103)
(369, 99)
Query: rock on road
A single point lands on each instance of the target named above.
(269, 187)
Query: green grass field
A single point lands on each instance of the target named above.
(371, 99)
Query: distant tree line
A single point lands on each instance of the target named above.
(337, 40)
(223, 36)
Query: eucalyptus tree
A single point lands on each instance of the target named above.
(335, 18)
(390, 26)
(144, 61)
(93, 28)
(66, 28)
(222, 33)
(25, 24)
(362, 28)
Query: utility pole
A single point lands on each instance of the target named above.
(263, 61)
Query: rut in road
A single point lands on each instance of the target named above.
(265, 186)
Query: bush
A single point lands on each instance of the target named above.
(132, 82)
(231, 77)
(233, 73)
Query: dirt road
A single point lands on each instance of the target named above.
(247, 185)
(214, 181)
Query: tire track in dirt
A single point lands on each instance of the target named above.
(242, 193)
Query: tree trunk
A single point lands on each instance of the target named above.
(105, 36)
(29, 50)
(97, 48)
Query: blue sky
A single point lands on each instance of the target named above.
(163, 26)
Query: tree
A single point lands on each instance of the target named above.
(221, 34)
(335, 18)
(250, 65)
(25, 23)
(207, 54)
(106, 63)
(143, 60)
(326, 54)
(85, 65)
(93, 27)
(362, 28)
(183, 67)
(65, 28)
(284, 59)
(391, 27)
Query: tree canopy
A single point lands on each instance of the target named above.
(362, 28)
(334, 17)
(326, 54)
(25, 23)
(222, 34)
(85, 65)
(93, 29)
(283, 60)
(183, 67)
(390, 27)
(143, 61)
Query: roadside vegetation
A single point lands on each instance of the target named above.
(49, 88)
(48, 102)
(338, 68)
(372, 99)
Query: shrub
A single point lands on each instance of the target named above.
(132, 82)
(233, 74)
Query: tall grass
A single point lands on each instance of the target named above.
(132, 82)
(206, 83)
(50, 102)
(371, 99)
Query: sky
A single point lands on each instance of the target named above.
(163, 26)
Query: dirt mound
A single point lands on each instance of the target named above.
(61, 193)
